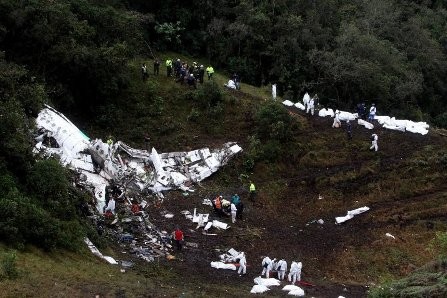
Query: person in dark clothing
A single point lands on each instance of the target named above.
(192, 81)
(156, 66)
(144, 73)
(349, 130)
(201, 74)
(237, 81)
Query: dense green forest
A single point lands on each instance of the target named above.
(74, 54)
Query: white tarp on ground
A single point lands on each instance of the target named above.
(287, 103)
(133, 168)
(386, 121)
(326, 112)
(297, 292)
(300, 106)
(221, 265)
(343, 116)
(351, 214)
(266, 281)
(258, 289)
(291, 288)
(366, 124)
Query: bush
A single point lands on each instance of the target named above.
(441, 120)
(273, 122)
(209, 95)
(9, 266)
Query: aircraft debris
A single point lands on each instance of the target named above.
(97, 253)
(389, 235)
(99, 164)
(351, 214)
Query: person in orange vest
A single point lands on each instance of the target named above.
(178, 238)
(218, 205)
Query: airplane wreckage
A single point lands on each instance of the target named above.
(102, 164)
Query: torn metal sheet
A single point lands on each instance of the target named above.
(351, 214)
(101, 163)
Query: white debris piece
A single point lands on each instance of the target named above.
(351, 214)
(207, 202)
(99, 163)
(221, 265)
(326, 112)
(257, 289)
(389, 235)
(266, 281)
(300, 106)
(366, 124)
(287, 103)
(220, 225)
(97, 253)
(208, 226)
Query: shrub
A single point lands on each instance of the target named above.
(441, 120)
(273, 122)
(9, 265)
(209, 95)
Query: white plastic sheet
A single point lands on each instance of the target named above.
(266, 281)
(298, 292)
(365, 124)
(326, 112)
(221, 265)
(258, 289)
(300, 106)
(287, 103)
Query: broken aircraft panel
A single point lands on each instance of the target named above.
(134, 169)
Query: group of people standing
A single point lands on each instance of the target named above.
(182, 71)
(234, 207)
(269, 265)
(310, 103)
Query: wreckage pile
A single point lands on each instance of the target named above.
(129, 176)
(100, 163)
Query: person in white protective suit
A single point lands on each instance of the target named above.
(295, 272)
(281, 268)
(310, 106)
(306, 99)
(233, 213)
(242, 264)
(111, 206)
(337, 122)
(374, 139)
(274, 91)
(266, 266)
(372, 113)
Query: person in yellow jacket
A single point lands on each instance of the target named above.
(168, 67)
(252, 191)
(209, 72)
